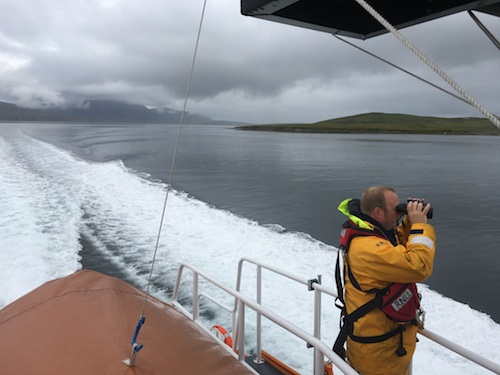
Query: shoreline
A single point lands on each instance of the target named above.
(386, 123)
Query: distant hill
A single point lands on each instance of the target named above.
(11, 112)
(388, 123)
(107, 111)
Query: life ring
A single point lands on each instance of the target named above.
(328, 368)
(222, 334)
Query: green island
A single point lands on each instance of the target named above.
(387, 123)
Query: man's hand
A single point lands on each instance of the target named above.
(417, 213)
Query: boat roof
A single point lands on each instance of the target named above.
(84, 323)
(348, 18)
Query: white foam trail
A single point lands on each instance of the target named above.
(36, 209)
(49, 198)
(462, 325)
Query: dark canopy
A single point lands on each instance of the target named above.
(347, 17)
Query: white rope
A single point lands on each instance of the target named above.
(426, 60)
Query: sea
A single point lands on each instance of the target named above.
(76, 196)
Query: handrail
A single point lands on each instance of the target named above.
(466, 353)
(244, 301)
(313, 284)
(321, 350)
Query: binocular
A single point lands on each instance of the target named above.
(401, 208)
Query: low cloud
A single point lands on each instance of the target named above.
(54, 54)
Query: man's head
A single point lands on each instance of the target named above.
(379, 202)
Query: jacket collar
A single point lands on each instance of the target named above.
(352, 209)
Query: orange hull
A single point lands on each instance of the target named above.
(84, 323)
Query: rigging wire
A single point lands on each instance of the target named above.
(495, 120)
(176, 148)
(400, 68)
(484, 29)
(136, 347)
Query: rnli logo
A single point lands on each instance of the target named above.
(402, 300)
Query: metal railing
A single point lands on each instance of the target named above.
(238, 311)
(321, 350)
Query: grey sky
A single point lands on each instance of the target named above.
(59, 52)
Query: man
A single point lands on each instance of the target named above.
(379, 253)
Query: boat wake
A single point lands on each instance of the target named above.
(57, 209)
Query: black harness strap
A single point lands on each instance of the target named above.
(347, 327)
(350, 231)
(401, 351)
(356, 285)
(374, 339)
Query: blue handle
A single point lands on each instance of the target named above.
(137, 347)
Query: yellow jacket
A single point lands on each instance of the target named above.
(376, 263)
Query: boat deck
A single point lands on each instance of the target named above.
(84, 323)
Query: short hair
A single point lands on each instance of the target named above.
(373, 197)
